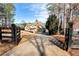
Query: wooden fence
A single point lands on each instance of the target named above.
(10, 33)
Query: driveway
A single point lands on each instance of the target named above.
(36, 45)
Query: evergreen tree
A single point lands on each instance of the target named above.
(52, 24)
(9, 10)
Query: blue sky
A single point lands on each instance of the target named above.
(29, 12)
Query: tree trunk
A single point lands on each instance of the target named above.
(71, 29)
(9, 22)
(59, 24)
(64, 19)
(6, 23)
(59, 19)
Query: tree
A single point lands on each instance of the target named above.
(56, 9)
(61, 30)
(9, 10)
(71, 10)
(52, 24)
(67, 10)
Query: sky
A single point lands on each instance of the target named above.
(29, 12)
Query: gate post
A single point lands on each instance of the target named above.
(19, 38)
(68, 37)
(0, 35)
(13, 33)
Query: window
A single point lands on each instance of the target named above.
(78, 32)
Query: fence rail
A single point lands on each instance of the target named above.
(10, 33)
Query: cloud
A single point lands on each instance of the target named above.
(40, 12)
(35, 11)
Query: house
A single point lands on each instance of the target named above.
(37, 26)
(31, 27)
(76, 25)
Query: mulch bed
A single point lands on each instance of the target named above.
(60, 37)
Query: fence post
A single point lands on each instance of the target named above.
(19, 34)
(0, 35)
(66, 38)
(14, 33)
(70, 35)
